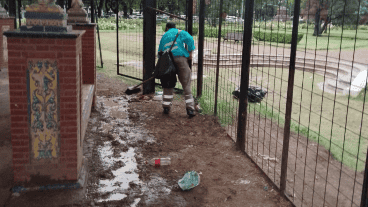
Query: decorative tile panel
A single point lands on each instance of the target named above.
(47, 15)
(43, 109)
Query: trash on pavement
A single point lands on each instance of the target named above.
(189, 181)
(241, 181)
(16, 194)
(265, 188)
(265, 157)
(157, 162)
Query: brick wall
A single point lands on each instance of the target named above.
(88, 57)
(4, 22)
(65, 52)
(89, 52)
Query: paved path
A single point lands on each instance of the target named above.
(6, 173)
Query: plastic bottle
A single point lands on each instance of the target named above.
(157, 162)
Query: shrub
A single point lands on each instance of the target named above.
(110, 24)
(208, 32)
(350, 27)
(363, 27)
(280, 37)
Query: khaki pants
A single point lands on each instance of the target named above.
(185, 78)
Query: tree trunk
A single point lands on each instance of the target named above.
(125, 9)
(324, 29)
(317, 21)
(100, 8)
(60, 3)
(171, 7)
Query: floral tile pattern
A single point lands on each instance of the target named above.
(43, 108)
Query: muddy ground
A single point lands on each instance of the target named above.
(129, 130)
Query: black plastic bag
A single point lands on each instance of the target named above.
(165, 65)
(168, 81)
(255, 94)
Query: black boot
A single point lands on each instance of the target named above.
(190, 112)
(166, 110)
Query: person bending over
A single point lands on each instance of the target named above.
(181, 56)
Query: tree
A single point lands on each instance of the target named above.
(267, 9)
(213, 9)
(337, 11)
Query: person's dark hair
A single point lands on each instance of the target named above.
(170, 25)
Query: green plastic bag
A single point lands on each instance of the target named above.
(189, 181)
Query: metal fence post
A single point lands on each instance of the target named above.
(364, 201)
(149, 45)
(117, 35)
(19, 12)
(218, 57)
(190, 23)
(99, 41)
(200, 48)
(92, 2)
(13, 12)
(289, 101)
(244, 82)
(69, 4)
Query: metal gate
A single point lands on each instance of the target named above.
(135, 51)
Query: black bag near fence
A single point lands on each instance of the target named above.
(255, 94)
(165, 66)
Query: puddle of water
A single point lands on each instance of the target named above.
(115, 110)
(110, 102)
(106, 127)
(123, 175)
(117, 113)
(136, 201)
(93, 121)
(113, 197)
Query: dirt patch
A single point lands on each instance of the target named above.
(313, 176)
(227, 176)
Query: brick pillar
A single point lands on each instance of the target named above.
(88, 52)
(46, 143)
(89, 66)
(6, 24)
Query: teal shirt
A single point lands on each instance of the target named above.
(178, 49)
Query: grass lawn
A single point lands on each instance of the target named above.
(332, 40)
(336, 125)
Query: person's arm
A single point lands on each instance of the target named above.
(188, 39)
(159, 52)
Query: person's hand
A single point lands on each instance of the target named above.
(190, 56)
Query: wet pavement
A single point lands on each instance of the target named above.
(112, 147)
(117, 159)
(6, 174)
